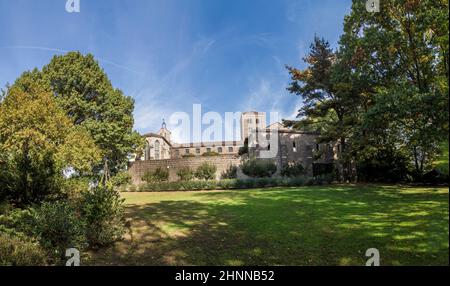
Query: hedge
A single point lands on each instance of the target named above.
(231, 184)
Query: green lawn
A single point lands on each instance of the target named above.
(332, 225)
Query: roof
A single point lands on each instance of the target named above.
(157, 136)
(209, 144)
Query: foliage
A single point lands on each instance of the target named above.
(329, 104)
(38, 143)
(20, 251)
(385, 165)
(206, 172)
(441, 164)
(386, 85)
(186, 174)
(294, 170)
(230, 172)
(85, 93)
(103, 213)
(244, 149)
(257, 168)
(188, 156)
(210, 154)
(58, 226)
(230, 184)
(405, 118)
(122, 178)
(159, 175)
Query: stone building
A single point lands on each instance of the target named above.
(291, 147)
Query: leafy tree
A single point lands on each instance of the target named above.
(329, 101)
(402, 56)
(38, 142)
(85, 93)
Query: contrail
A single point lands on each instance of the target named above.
(65, 51)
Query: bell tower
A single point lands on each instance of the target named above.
(164, 132)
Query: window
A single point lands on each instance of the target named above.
(317, 147)
(187, 151)
(230, 149)
(257, 121)
(249, 121)
(220, 150)
(177, 153)
(294, 146)
(157, 150)
(147, 151)
(208, 150)
(197, 150)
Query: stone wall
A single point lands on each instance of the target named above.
(137, 169)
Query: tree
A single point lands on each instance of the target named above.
(402, 56)
(87, 96)
(329, 101)
(38, 142)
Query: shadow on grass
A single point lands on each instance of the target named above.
(307, 226)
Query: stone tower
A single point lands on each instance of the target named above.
(252, 121)
(164, 132)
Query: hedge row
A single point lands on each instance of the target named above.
(231, 184)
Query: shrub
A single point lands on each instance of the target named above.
(159, 175)
(103, 213)
(243, 150)
(259, 168)
(230, 173)
(121, 179)
(20, 251)
(206, 172)
(210, 154)
(58, 227)
(293, 170)
(230, 184)
(188, 156)
(186, 174)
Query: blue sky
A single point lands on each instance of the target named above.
(228, 55)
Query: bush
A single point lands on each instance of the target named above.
(58, 227)
(230, 173)
(210, 154)
(121, 179)
(259, 168)
(385, 166)
(293, 170)
(20, 251)
(206, 172)
(188, 156)
(243, 150)
(231, 184)
(103, 212)
(186, 174)
(159, 175)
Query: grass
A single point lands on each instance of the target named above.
(332, 225)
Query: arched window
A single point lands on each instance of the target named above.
(147, 151)
(157, 150)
